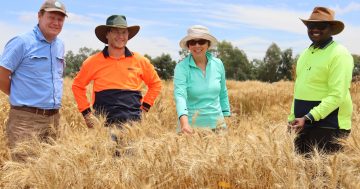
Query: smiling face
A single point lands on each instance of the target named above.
(198, 47)
(319, 32)
(50, 24)
(117, 37)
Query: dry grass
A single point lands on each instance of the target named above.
(256, 152)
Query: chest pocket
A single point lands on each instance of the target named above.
(37, 65)
(60, 66)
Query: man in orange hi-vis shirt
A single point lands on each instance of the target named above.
(117, 74)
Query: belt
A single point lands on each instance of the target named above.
(38, 111)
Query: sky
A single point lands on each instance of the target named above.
(250, 25)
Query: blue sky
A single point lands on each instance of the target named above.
(251, 25)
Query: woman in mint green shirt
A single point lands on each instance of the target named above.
(199, 84)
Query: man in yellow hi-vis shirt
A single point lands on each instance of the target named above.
(322, 106)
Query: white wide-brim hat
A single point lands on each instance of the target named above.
(198, 32)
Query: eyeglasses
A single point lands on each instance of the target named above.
(194, 42)
(317, 25)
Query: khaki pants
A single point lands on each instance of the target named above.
(22, 126)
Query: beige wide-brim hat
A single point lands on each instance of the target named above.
(115, 21)
(198, 32)
(323, 14)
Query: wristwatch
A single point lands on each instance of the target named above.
(308, 119)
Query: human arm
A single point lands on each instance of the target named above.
(224, 98)
(9, 61)
(79, 85)
(184, 124)
(153, 82)
(5, 80)
(180, 95)
(339, 80)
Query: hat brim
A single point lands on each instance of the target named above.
(336, 26)
(100, 31)
(212, 39)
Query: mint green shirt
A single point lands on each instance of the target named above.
(323, 78)
(203, 98)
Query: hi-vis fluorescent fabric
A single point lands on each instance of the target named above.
(117, 84)
(322, 87)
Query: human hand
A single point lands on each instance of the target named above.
(186, 129)
(91, 120)
(297, 124)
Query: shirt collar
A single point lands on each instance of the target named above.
(105, 52)
(324, 44)
(208, 56)
(39, 35)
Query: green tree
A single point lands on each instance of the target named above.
(164, 65)
(286, 66)
(356, 72)
(236, 63)
(74, 61)
(269, 70)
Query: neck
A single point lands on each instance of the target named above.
(322, 44)
(116, 52)
(200, 60)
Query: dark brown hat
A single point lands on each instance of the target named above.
(115, 21)
(53, 6)
(323, 14)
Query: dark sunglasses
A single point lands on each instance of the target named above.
(200, 42)
(317, 25)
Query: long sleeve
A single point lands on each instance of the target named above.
(224, 98)
(81, 80)
(153, 82)
(180, 89)
(339, 83)
(291, 117)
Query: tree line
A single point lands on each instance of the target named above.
(276, 65)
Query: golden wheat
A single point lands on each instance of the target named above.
(255, 152)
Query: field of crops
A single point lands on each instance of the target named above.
(256, 152)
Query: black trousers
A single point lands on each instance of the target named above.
(325, 140)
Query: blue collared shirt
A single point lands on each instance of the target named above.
(37, 68)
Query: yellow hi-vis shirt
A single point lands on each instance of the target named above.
(322, 86)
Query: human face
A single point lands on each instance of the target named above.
(50, 24)
(319, 32)
(117, 37)
(198, 47)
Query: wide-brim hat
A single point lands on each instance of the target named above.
(198, 32)
(323, 14)
(115, 21)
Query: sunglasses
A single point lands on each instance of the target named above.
(193, 42)
(317, 25)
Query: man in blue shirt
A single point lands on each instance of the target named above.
(31, 73)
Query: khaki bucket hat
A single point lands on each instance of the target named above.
(115, 21)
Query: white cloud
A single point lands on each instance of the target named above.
(350, 38)
(261, 17)
(351, 7)
(154, 46)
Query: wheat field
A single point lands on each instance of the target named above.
(255, 152)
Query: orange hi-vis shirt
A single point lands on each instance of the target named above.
(117, 83)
